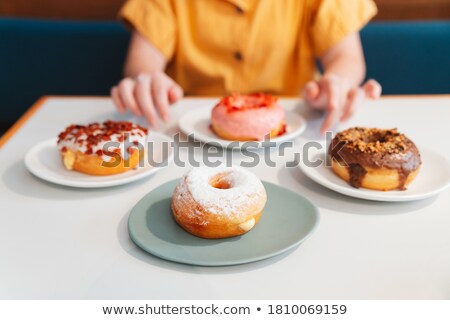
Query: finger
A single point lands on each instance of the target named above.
(175, 93)
(331, 89)
(312, 90)
(160, 95)
(372, 89)
(316, 97)
(126, 93)
(116, 99)
(354, 99)
(144, 98)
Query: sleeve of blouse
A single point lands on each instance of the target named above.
(153, 19)
(333, 20)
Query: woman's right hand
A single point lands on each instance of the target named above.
(148, 95)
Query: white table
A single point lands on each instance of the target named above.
(66, 243)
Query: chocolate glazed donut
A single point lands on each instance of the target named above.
(385, 157)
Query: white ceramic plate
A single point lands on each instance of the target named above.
(197, 123)
(44, 161)
(433, 178)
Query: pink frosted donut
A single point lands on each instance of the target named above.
(248, 117)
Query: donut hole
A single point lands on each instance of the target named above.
(380, 137)
(220, 181)
(372, 140)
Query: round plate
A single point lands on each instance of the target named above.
(197, 123)
(44, 161)
(152, 227)
(433, 177)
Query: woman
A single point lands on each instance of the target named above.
(216, 47)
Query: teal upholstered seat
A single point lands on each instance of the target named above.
(409, 57)
(64, 58)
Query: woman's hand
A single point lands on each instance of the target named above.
(337, 98)
(148, 95)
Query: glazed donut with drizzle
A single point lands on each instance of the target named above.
(84, 148)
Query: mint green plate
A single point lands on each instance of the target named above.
(287, 220)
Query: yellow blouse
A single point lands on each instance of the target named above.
(216, 47)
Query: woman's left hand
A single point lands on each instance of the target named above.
(334, 95)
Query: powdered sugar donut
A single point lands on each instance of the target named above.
(218, 202)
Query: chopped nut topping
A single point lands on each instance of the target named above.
(372, 140)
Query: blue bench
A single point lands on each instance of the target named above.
(85, 58)
(409, 57)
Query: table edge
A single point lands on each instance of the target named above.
(41, 101)
(22, 120)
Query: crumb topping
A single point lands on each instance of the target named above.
(372, 140)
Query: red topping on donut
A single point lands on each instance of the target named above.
(239, 102)
(283, 130)
(95, 133)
